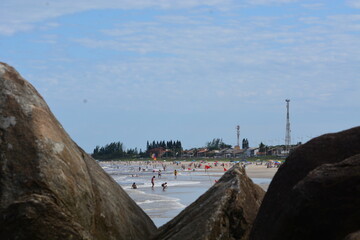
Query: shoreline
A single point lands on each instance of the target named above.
(190, 183)
(253, 170)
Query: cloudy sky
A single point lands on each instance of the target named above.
(189, 70)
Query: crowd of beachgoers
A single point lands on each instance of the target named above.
(192, 165)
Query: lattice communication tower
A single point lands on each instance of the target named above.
(288, 131)
(238, 135)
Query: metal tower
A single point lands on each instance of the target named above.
(287, 136)
(238, 135)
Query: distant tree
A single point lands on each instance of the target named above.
(96, 150)
(262, 147)
(245, 143)
(175, 147)
(111, 150)
(217, 144)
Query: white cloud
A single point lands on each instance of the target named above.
(198, 57)
(270, 2)
(9, 29)
(353, 3)
(20, 15)
(313, 6)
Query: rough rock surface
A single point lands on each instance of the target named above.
(316, 193)
(49, 187)
(226, 211)
(353, 236)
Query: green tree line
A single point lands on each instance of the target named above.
(217, 144)
(173, 147)
(115, 150)
(166, 145)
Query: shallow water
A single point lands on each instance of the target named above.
(163, 205)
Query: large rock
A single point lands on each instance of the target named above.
(353, 236)
(226, 211)
(316, 193)
(49, 187)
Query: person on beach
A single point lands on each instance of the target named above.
(153, 181)
(175, 173)
(164, 185)
(159, 174)
(133, 186)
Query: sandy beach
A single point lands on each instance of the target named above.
(193, 179)
(260, 171)
(254, 171)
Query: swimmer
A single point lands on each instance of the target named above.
(153, 181)
(164, 185)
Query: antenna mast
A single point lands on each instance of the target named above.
(287, 136)
(238, 135)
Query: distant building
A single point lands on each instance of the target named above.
(202, 152)
(239, 153)
(159, 152)
(188, 153)
(276, 151)
(251, 152)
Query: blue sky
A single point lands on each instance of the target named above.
(188, 70)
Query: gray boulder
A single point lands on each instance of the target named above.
(49, 187)
(353, 236)
(316, 193)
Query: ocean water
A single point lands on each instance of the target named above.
(160, 204)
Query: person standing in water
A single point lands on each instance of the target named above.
(175, 173)
(153, 181)
(164, 185)
(134, 186)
